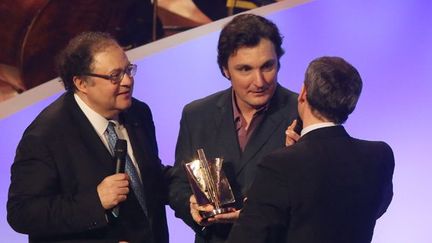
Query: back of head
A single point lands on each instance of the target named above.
(77, 58)
(246, 30)
(333, 88)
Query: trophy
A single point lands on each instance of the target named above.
(209, 184)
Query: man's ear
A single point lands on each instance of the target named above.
(226, 73)
(80, 84)
(302, 95)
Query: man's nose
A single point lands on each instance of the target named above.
(259, 79)
(127, 80)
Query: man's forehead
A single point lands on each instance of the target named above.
(250, 55)
(110, 58)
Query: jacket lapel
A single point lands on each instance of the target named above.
(92, 144)
(144, 155)
(137, 137)
(225, 130)
(274, 116)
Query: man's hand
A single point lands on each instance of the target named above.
(194, 211)
(113, 190)
(291, 136)
(224, 218)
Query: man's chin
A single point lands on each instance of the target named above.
(124, 105)
(259, 102)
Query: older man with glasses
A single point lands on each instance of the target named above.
(64, 185)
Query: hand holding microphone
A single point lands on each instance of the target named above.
(114, 189)
(292, 133)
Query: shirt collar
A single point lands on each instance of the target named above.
(316, 126)
(98, 122)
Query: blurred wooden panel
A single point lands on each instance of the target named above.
(34, 31)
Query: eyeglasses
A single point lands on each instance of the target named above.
(117, 77)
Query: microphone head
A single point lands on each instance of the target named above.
(299, 126)
(120, 148)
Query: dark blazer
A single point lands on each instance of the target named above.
(208, 123)
(59, 162)
(329, 188)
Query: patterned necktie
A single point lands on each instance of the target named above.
(130, 169)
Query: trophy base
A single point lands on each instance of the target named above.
(214, 212)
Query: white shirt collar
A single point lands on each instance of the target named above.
(98, 122)
(316, 126)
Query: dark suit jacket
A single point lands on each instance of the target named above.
(209, 124)
(59, 162)
(329, 188)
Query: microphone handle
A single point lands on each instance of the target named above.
(120, 164)
(120, 168)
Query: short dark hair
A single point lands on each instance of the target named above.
(333, 88)
(77, 58)
(246, 30)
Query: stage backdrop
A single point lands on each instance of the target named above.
(388, 41)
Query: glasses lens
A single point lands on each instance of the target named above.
(131, 70)
(117, 78)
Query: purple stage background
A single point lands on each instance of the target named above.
(390, 42)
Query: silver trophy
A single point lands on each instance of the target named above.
(209, 184)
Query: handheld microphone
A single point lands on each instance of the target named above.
(299, 125)
(120, 151)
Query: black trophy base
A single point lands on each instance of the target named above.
(209, 214)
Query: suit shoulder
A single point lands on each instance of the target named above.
(52, 116)
(287, 95)
(202, 105)
(377, 153)
(374, 146)
(139, 112)
(48, 126)
(139, 105)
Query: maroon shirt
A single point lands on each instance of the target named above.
(243, 134)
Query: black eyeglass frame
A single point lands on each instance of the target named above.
(130, 70)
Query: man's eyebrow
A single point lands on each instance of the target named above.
(271, 61)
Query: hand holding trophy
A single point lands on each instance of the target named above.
(209, 184)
